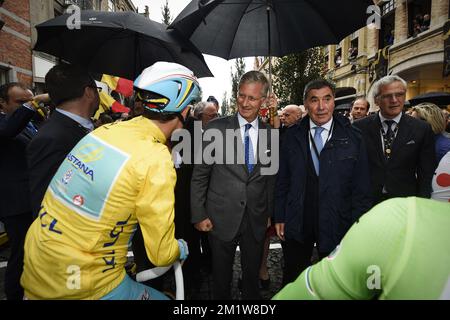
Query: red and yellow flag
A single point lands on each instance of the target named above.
(108, 103)
(121, 85)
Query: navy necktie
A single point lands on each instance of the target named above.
(389, 132)
(389, 138)
(319, 146)
(249, 157)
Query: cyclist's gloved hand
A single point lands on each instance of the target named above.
(184, 251)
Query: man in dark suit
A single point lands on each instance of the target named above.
(233, 200)
(400, 147)
(16, 131)
(199, 252)
(323, 184)
(75, 94)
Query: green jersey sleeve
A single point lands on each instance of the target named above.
(354, 270)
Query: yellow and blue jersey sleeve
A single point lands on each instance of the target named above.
(155, 210)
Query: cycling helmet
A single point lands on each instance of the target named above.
(166, 87)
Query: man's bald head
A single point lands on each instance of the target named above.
(292, 113)
(208, 113)
(13, 95)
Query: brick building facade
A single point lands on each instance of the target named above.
(394, 48)
(15, 42)
(18, 62)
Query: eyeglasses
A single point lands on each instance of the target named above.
(390, 96)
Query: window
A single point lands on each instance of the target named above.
(338, 57)
(326, 55)
(386, 34)
(3, 76)
(353, 50)
(98, 5)
(83, 4)
(418, 16)
(111, 6)
(387, 7)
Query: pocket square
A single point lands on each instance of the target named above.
(411, 142)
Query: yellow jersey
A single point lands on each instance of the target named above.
(119, 175)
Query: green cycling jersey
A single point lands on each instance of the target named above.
(398, 250)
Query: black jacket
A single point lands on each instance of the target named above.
(14, 186)
(47, 151)
(344, 186)
(413, 161)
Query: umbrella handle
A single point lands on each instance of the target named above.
(270, 45)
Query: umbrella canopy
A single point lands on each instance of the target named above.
(117, 43)
(439, 98)
(242, 28)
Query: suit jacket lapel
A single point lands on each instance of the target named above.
(403, 134)
(262, 127)
(28, 132)
(234, 125)
(301, 135)
(375, 136)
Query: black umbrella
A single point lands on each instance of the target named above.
(439, 98)
(117, 43)
(242, 28)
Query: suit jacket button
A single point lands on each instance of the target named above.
(242, 203)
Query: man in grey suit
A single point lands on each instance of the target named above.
(233, 200)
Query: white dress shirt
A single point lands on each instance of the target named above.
(82, 121)
(252, 132)
(326, 134)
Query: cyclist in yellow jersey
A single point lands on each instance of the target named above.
(115, 178)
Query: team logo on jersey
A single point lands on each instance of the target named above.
(78, 200)
(87, 153)
(90, 152)
(67, 176)
(80, 165)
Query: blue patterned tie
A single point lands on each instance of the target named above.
(319, 145)
(249, 157)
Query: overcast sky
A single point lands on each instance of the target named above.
(219, 67)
